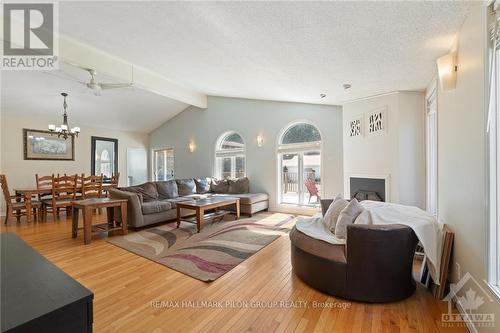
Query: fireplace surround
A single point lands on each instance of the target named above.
(368, 187)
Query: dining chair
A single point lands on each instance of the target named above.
(113, 184)
(16, 207)
(63, 195)
(43, 182)
(114, 179)
(91, 186)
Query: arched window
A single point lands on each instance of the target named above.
(299, 158)
(230, 156)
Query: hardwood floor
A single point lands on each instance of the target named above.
(129, 290)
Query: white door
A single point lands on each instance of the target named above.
(137, 166)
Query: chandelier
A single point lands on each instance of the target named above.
(64, 130)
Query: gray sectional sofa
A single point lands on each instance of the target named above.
(155, 202)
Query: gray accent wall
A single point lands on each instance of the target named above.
(251, 118)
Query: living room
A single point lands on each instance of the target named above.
(211, 177)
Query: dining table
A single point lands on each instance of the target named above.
(27, 193)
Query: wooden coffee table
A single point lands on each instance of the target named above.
(88, 206)
(202, 205)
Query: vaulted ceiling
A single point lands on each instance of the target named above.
(288, 51)
(291, 51)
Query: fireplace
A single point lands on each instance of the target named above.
(368, 188)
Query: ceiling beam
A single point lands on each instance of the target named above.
(77, 53)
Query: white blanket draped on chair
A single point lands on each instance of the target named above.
(425, 226)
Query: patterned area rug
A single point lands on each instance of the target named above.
(207, 255)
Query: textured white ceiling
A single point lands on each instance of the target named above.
(130, 109)
(275, 50)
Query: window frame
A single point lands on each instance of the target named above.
(233, 154)
(93, 147)
(492, 99)
(431, 147)
(165, 164)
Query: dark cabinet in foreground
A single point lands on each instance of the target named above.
(36, 296)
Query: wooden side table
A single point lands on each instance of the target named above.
(88, 206)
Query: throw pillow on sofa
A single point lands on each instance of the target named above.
(347, 216)
(202, 185)
(186, 187)
(147, 191)
(333, 212)
(167, 189)
(239, 186)
(219, 186)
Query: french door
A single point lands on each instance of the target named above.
(300, 178)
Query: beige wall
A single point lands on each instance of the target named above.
(398, 153)
(21, 173)
(462, 182)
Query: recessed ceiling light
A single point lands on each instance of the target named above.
(322, 95)
(347, 86)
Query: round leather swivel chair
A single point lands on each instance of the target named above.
(375, 264)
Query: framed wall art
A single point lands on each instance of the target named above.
(45, 145)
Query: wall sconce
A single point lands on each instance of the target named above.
(260, 140)
(191, 146)
(447, 70)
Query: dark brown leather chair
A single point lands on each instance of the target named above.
(374, 266)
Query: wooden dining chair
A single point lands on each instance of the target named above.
(16, 207)
(91, 186)
(114, 179)
(43, 182)
(113, 183)
(63, 195)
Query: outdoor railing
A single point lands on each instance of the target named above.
(290, 180)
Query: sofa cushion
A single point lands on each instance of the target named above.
(173, 202)
(240, 185)
(153, 207)
(250, 198)
(167, 189)
(202, 185)
(318, 247)
(186, 186)
(147, 191)
(219, 186)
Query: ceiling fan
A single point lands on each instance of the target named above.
(96, 86)
(93, 85)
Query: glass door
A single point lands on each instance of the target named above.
(311, 171)
(300, 178)
(290, 178)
